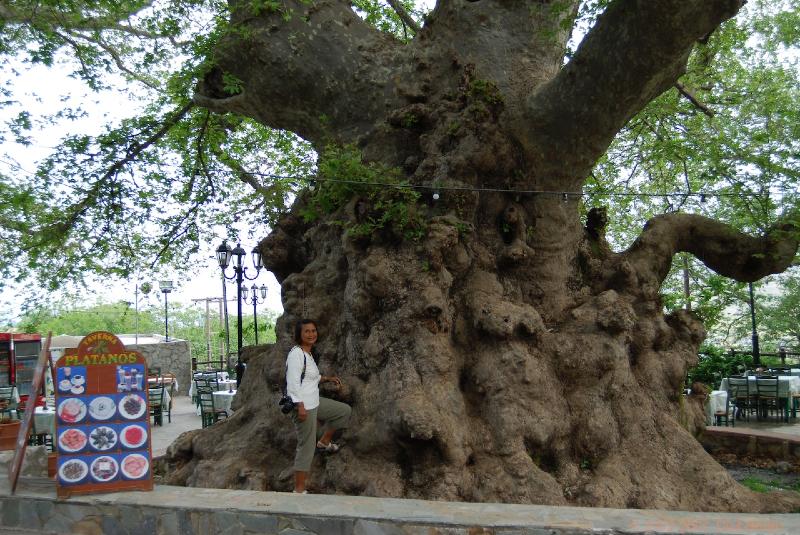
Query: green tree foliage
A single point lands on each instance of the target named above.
(780, 317)
(185, 323)
(724, 143)
(141, 193)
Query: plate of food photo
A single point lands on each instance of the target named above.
(133, 436)
(72, 440)
(103, 438)
(72, 410)
(132, 406)
(102, 408)
(73, 471)
(135, 466)
(104, 468)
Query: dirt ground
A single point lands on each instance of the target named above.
(783, 475)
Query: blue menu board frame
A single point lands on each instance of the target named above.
(102, 440)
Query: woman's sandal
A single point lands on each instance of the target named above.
(327, 448)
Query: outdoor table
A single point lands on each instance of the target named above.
(223, 399)
(793, 388)
(221, 385)
(794, 383)
(44, 421)
(717, 402)
(170, 383)
(221, 376)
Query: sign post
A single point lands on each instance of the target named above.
(27, 420)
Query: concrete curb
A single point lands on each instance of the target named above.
(192, 511)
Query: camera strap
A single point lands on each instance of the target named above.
(286, 372)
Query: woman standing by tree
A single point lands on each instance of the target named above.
(302, 384)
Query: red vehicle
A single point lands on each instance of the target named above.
(18, 355)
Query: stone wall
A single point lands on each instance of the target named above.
(174, 356)
(763, 444)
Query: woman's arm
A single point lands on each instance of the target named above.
(294, 371)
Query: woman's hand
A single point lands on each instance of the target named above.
(302, 413)
(332, 379)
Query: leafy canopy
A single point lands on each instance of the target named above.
(150, 189)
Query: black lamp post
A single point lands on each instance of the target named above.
(224, 255)
(166, 287)
(756, 349)
(254, 300)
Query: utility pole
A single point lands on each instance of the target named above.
(208, 301)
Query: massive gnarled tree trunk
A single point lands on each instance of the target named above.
(509, 355)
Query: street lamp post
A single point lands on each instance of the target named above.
(254, 300)
(224, 255)
(166, 287)
(756, 349)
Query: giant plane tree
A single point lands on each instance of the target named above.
(494, 345)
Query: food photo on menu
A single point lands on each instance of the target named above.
(104, 468)
(134, 466)
(74, 470)
(133, 436)
(102, 408)
(103, 438)
(130, 378)
(71, 380)
(132, 406)
(71, 410)
(72, 440)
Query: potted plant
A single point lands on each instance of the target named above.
(9, 429)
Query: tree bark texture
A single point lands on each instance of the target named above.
(509, 355)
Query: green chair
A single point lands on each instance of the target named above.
(209, 414)
(740, 399)
(768, 399)
(156, 404)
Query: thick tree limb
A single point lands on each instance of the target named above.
(720, 247)
(636, 50)
(315, 69)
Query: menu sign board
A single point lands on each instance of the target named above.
(102, 418)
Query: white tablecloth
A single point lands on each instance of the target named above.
(167, 399)
(44, 421)
(717, 402)
(221, 376)
(223, 399)
(227, 384)
(794, 383)
(170, 383)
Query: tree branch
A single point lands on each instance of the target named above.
(691, 98)
(720, 247)
(77, 210)
(404, 16)
(635, 51)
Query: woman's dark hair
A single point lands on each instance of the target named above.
(298, 327)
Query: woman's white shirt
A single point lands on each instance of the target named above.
(308, 390)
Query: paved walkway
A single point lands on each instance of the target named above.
(771, 425)
(184, 418)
